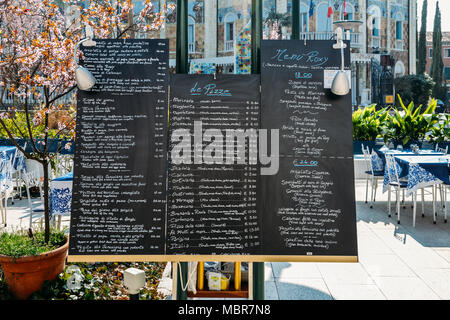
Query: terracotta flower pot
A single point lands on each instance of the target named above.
(26, 275)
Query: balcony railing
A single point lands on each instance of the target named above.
(399, 44)
(191, 47)
(9, 100)
(229, 45)
(376, 42)
(355, 37)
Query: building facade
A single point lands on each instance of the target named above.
(445, 57)
(219, 35)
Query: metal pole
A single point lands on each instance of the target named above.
(182, 67)
(182, 36)
(258, 267)
(256, 35)
(295, 19)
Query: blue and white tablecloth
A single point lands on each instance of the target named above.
(420, 171)
(381, 153)
(61, 195)
(8, 152)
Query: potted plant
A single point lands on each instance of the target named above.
(20, 253)
(440, 132)
(37, 41)
(410, 125)
(368, 125)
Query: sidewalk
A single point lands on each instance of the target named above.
(395, 261)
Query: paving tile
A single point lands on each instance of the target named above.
(268, 272)
(396, 288)
(270, 291)
(385, 265)
(444, 253)
(370, 244)
(423, 259)
(362, 227)
(438, 280)
(285, 270)
(355, 292)
(399, 240)
(344, 273)
(303, 289)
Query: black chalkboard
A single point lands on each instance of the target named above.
(185, 187)
(211, 206)
(308, 207)
(118, 201)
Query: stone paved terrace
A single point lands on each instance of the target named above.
(395, 261)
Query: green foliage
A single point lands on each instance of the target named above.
(437, 65)
(402, 125)
(441, 130)
(415, 88)
(409, 123)
(368, 123)
(17, 125)
(19, 244)
(422, 46)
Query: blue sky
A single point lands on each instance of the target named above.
(444, 5)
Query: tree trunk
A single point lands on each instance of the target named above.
(46, 201)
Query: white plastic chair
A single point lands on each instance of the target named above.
(371, 174)
(446, 188)
(6, 187)
(18, 165)
(63, 164)
(33, 177)
(443, 150)
(442, 188)
(398, 185)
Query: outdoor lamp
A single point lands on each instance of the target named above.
(84, 78)
(340, 85)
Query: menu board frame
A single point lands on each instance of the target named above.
(223, 257)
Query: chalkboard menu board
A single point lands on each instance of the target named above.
(308, 207)
(198, 184)
(119, 186)
(211, 205)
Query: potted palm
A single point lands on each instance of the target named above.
(37, 41)
(410, 124)
(368, 125)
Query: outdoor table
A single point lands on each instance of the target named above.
(61, 195)
(378, 157)
(421, 171)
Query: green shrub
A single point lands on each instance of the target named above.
(17, 125)
(441, 130)
(416, 88)
(368, 123)
(410, 124)
(402, 125)
(20, 244)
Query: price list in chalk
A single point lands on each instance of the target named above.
(118, 204)
(212, 174)
(308, 207)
